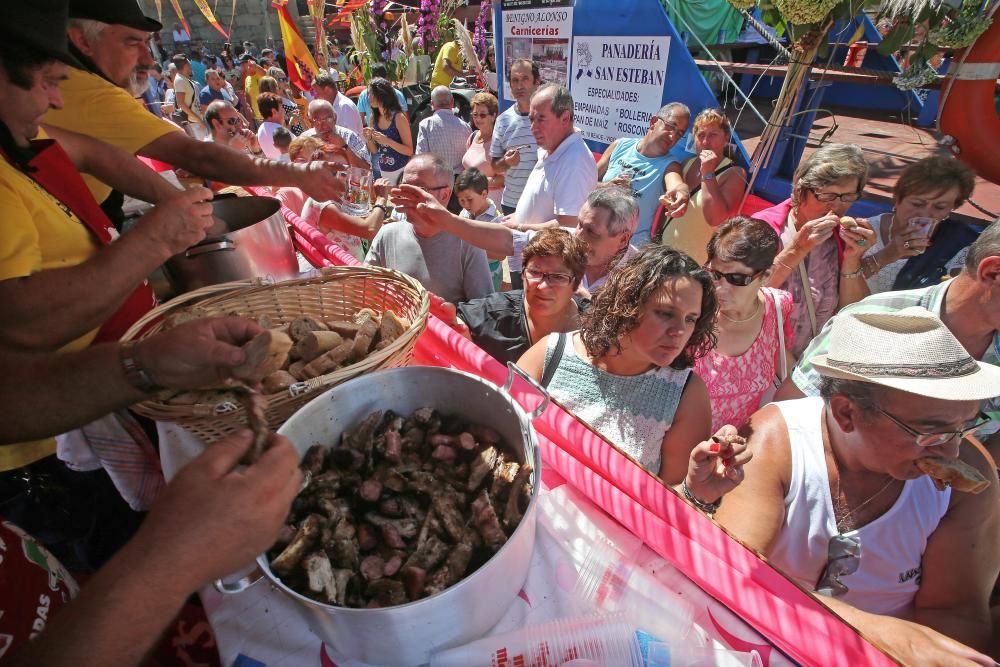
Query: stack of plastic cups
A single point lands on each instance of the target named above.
(588, 640)
(664, 655)
(608, 583)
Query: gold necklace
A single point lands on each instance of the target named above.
(840, 510)
(752, 315)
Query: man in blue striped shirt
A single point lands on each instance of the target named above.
(514, 150)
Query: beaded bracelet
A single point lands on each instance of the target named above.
(707, 508)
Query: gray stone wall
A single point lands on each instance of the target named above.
(248, 24)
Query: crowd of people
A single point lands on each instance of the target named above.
(784, 372)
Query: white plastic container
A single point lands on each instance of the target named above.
(604, 640)
(610, 583)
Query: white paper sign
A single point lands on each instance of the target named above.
(617, 84)
(540, 31)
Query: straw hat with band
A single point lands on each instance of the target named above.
(910, 350)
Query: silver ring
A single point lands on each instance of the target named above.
(906, 245)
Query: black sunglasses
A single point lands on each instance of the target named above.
(738, 279)
(843, 558)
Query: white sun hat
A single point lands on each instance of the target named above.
(910, 350)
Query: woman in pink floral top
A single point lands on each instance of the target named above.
(747, 360)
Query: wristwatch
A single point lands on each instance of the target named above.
(710, 176)
(135, 374)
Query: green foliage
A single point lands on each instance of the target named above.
(900, 34)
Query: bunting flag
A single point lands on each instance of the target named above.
(180, 15)
(302, 68)
(210, 15)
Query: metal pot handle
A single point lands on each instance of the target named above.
(240, 585)
(224, 244)
(513, 368)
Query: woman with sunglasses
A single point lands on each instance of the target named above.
(716, 184)
(507, 324)
(750, 357)
(819, 272)
(484, 117)
(627, 372)
(924, 196)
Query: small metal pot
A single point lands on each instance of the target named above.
(248, 240)
(409, 634)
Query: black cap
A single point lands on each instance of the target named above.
(115, 12)
(38, 26)
(247, 58)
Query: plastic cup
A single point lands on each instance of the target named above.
(664, 655)
(610, 583)
(925, 225)
(604, 640)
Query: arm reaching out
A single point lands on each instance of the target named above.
(210, 520)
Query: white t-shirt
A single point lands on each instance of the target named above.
(558, 185)
(265, 137)
(347, 114)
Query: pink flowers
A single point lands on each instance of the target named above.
(479, 33)
(427, 24)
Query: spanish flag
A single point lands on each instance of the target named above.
(302, 68)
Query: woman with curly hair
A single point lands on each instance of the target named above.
(627, 371)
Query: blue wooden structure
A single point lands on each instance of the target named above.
(684, 82)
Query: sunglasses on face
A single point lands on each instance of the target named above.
(481, 115)
(553, 279)
(231, 121)
(936, 439)
(827, 197)
(843, 557)
(737, 279)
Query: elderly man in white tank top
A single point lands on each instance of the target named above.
(836, 497)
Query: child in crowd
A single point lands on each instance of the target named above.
(471, 190)
(282, 140)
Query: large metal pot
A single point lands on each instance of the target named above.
(248, 240)
(409, 634)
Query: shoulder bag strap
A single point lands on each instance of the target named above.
(810, 306)
(782, 357)
(553, 363)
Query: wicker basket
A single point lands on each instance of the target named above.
(335, 295)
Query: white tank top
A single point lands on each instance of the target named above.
(892, 546)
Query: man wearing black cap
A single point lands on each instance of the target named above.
(66, 278)
(110, 39)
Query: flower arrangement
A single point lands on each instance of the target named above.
(427, 24)
(479, 31)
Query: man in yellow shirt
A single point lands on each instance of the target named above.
(110, 39)
(252, 73)
(64, 271)
(448, 63)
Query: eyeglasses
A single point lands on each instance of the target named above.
(935, 439)
(231, 121)
(843, 557)
(828, 197)
(670, 127)
(738, 279)
(553, 279)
